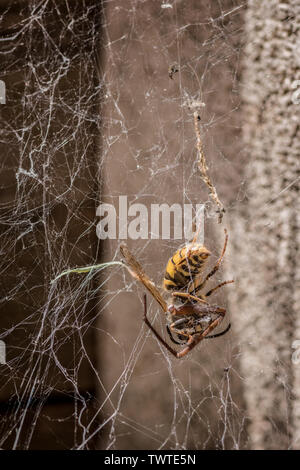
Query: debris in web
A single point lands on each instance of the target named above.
(202, 165)
(174, 68)
(87, 269)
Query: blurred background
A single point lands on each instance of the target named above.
(90, 114)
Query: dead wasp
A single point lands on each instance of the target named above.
(192, 318)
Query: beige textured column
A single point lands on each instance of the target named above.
(265, 230)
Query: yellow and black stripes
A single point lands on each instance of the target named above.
(184, 266)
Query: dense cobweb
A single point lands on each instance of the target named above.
(92, 114)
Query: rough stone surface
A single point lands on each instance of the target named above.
(265, 231)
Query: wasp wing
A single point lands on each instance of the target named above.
(137, 272)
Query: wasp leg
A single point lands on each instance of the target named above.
(218, 287)
(189, 296)
(163, 342)
(219, 334)
(217, 265)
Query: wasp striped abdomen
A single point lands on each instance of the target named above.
(184, 266)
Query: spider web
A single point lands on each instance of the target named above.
(91, 114)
